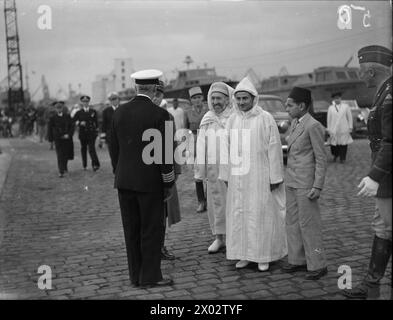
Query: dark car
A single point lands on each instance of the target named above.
(275, 106)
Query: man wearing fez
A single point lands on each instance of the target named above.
(305, 176)
(339, 127)
(193, 119)
(87, 121)
(143, 179)
(172, 205)
(107, 116)
(219, 100)
(60, 128)
(375, 69)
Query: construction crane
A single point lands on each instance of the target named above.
(45, 90)
(16, 99)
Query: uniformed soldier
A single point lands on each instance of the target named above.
(375, 69)
(87, 120)
(142, 177)
(193, 120)
(107, 116)
(60, 132)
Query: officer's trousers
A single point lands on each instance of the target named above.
(62, 154)
(142, 214)
(89, 143)
(304, 230)
(382, 220)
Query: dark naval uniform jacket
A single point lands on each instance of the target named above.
(59, 126)
(379, 126)
(130, 121)
(107, 116)
(90, 129)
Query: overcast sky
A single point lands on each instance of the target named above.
(232, 36)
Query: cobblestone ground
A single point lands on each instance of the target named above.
(73, 225)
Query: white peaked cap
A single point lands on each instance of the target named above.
(149, 76)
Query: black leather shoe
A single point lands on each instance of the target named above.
(201, 207)
(166, 255)
(289, 268)
(316, 274)
(162, 283)
(95, 168)
(61, 175)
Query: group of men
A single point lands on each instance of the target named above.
(62, 125)
(257, 210)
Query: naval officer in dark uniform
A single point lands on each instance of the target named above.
(86, 119)
(107, 116)
(375, 69)
(60, 129)
(143, 177)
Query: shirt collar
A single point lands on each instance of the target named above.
(301, 118)
(143, 95)
(86, 109)
(114, 108)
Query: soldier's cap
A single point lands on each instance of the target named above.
(336, 94)
(195, 91)
(113, 95)
(149, 76)
(160, 86)
(220, 87)
(377, 54)
(57, 101)
(84, 98)
(300, 95)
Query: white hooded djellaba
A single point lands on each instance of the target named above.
(255, 215)
(209, 170)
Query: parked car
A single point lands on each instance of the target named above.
(359, 116)
(274, 105)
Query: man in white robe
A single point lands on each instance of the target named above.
(255, 212)
(208, 158)
(339, 127)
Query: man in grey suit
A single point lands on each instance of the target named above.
(304, 177)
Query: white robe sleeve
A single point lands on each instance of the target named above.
(224, 156)
(275, 154)
(200, 159)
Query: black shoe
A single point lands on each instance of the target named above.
(363, 291)
(290, 268)
(135, 284)
(95, 168)
(201, 207)
(316, 274)
(166, 255)
(61, 175)
(162, 283)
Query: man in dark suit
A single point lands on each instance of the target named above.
(86, 119)
(107, 116)
(376, 70)
(143, 177)
(304, 179)
(60, 129)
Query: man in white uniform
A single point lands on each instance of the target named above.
(339, 126)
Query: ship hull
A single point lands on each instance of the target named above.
(350, 91)
(182, 93)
